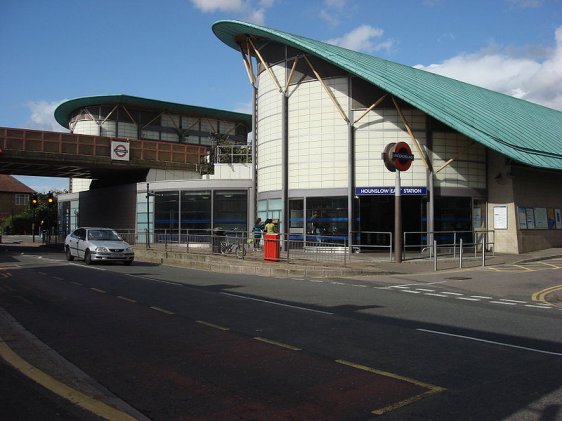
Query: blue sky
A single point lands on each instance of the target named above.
(56, 50)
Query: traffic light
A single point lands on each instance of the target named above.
(50, 199)
(34, 201)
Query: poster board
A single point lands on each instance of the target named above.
(558, 219)
(530, 218)
(522, 218)
(500, 217)
(541, 219)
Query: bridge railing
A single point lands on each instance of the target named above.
(79, 145)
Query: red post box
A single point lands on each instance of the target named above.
(271, 247)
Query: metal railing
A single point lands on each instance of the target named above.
(371, 241)
(420, 244)
(318, 249)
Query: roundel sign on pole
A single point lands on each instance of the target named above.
(398, 156)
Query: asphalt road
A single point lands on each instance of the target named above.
(182, 344)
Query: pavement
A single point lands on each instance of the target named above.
(318, 265)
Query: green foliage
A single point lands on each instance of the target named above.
(22, 223)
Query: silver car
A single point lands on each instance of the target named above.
(97, 245)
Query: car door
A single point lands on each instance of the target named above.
(73, 242)
(81, 244)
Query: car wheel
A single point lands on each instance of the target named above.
(88, 257)
(69, 255)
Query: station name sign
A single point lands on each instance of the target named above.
(383, 191)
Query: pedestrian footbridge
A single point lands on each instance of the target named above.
(54, 154)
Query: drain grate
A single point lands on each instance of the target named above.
(458, 278)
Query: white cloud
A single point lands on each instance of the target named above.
(42, 116)
(250, 10)
(363, 38)
(209, 6)
(528, 78)
(256, 16)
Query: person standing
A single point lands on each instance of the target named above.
(258, 231)
(269, 227)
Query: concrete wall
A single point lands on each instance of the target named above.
(538, 189)
(516, 187)
(500, 193)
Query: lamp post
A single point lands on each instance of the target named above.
(148, 194)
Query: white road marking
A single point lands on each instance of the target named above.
(490, 342)
(274, 303)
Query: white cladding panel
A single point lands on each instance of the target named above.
(88, 127)
(468, 169)
(318, 145)
(379, 128)
(269, 131)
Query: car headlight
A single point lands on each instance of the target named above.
(129, 250)
(102, 250)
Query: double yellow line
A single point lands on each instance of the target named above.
(540, 296)
(84, 401)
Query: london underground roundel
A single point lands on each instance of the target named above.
(398, 156)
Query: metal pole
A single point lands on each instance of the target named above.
(147, 216)
(397, 220)
(460, 255)
(434, 255)
(454, 244)
(484, 250)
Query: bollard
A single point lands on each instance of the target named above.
(434, 255)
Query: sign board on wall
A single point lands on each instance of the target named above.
(382, 191)
(558, 218)
(500, 217)
(119, 151)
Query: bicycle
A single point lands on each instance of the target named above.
(230, 247)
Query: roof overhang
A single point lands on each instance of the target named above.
(523, 131)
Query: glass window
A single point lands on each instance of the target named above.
(166, 210)
(296, 215)
(327, 216)
(231, 210)
(196, 210)
(22, 199)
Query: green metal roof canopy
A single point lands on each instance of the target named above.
(526, 132)
(64, 110)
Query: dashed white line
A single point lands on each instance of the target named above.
(467, 298)
(504, 303)
(452, 293)
(513, 301)
(482, 297)
(424, 289)
(536, 306)
(410, 291)
(434, 295)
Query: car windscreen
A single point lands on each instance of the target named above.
(103, 235)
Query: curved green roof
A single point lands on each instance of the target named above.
(64, 110)
(521, 130)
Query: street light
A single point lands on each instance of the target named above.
(148, 194)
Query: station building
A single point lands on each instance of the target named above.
(213, 192)
(484, 162)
